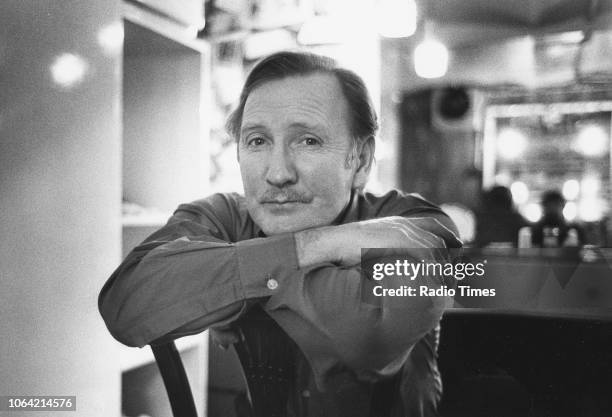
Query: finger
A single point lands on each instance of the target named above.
(423, 237)
(436, 227)
(416, 240)
(434, 245)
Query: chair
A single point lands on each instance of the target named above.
(266, 355)
(175, 379)
(268, 359)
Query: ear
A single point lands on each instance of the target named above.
(365, 159)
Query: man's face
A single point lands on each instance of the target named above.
(292, 150)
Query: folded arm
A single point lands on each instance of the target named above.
(342, 244)
(368, 334)
(189, 276)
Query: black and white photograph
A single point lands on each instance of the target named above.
(306, 208)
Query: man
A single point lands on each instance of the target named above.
(498, 220)
(305, 131)
(553, 203)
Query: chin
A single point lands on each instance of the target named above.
(276, 220)
(276, 228)
(278, 225)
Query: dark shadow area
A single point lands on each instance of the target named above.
(505, 365)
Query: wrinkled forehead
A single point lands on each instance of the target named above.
(308, 99)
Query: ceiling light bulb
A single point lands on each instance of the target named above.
(430, 59)
(68, 70)
(511, 143)
(110, 37)
(592, 141)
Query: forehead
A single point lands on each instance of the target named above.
(310, 99)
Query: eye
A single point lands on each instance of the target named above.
(310, 141)
(256, 141)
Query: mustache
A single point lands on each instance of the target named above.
(284, 195)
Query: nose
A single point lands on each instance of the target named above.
(281, 169)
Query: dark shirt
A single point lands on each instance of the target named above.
(498, 226)
(209, 262)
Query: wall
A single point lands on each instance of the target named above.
(164, 163)
(161, 138)
(436, 162)
(59, 202)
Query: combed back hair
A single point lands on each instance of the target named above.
(363, 121)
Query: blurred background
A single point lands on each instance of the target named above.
(112, 113)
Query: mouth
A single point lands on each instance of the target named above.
(280, 202)
(281, 205)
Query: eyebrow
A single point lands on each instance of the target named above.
(252, 126)
(249, 127)
(294, 125)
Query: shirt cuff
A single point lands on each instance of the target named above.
(264, 264)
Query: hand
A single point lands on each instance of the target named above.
(342, 244)
(426, 235)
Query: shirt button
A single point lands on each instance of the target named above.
(272, 284)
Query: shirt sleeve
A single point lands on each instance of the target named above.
(327, 312)
(189, 276)
(338, 322)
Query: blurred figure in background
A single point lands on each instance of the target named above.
(554, 223)
(498, 222)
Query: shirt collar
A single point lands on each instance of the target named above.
(350, 213)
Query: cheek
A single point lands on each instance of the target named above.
(330, 181)
(251, 173)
